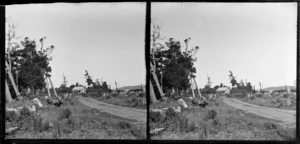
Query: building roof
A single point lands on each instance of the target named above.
(222, 89)
(78, 88)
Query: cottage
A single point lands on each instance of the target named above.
(80, 90)
(223, 90)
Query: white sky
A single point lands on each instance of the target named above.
(256, 41)
(107, 39)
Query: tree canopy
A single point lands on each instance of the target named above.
(30, 65)
(175, 65)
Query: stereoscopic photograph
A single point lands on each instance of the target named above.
(223, 71)
(75, 71)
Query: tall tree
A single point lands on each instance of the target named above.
(189, 53)
(249, 86)
(232, 79)
(105, 86)
(31, 64)
(88, 78)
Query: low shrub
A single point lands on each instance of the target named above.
(268, 126)
(27, 120)
(216, 104)
(65, 114)
(108, 97)
(142, 95)
(259, 95)
(138, 132)
(11, 116)
(170, 113)
(211, 114)
(123, 125)
(155, 117)
(115, 94)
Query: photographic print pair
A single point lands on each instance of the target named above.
(189, 71)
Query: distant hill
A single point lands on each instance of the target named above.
(278, 88)
(131, 87)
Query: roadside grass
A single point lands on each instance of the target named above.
(274, 101)
(218, 121)
(132, 101)
(72, 120)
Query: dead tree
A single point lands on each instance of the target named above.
(198, 88)
(192, 88)
(153, 71)
(8, 97)
(192, 52)
(259, 87)
(52, 86)
(155, 36)
(153, 98)
(10, 76)
(116, 85)
(47, 52)
(48, 86)
(11, 35)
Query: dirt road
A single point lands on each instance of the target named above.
(286, 116)
(130, 113)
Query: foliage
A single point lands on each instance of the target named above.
(208, 90)
(232, 79)
(155, 117)
(88, 78)
(211, 114)
(242, 87)
(63, 90)
(123, 125)
(66, 113)
(175, 66)
(30, 65)
(27, 120)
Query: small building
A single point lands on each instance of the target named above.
(79, 90)
(223, 90)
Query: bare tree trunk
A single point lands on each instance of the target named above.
(161, 77)
(157, 82)
(197, 88)
(192, 88)
(153, 98)
(52, 86)
(7, 93)
(12, 81)
(28, 90)
(259, 87)
(17, 77)
(48, 89)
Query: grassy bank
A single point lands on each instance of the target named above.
(217, 121)
(72, 120)
(273, 101)
(132, 100)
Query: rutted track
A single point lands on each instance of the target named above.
(286, 116)
(130, 113)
